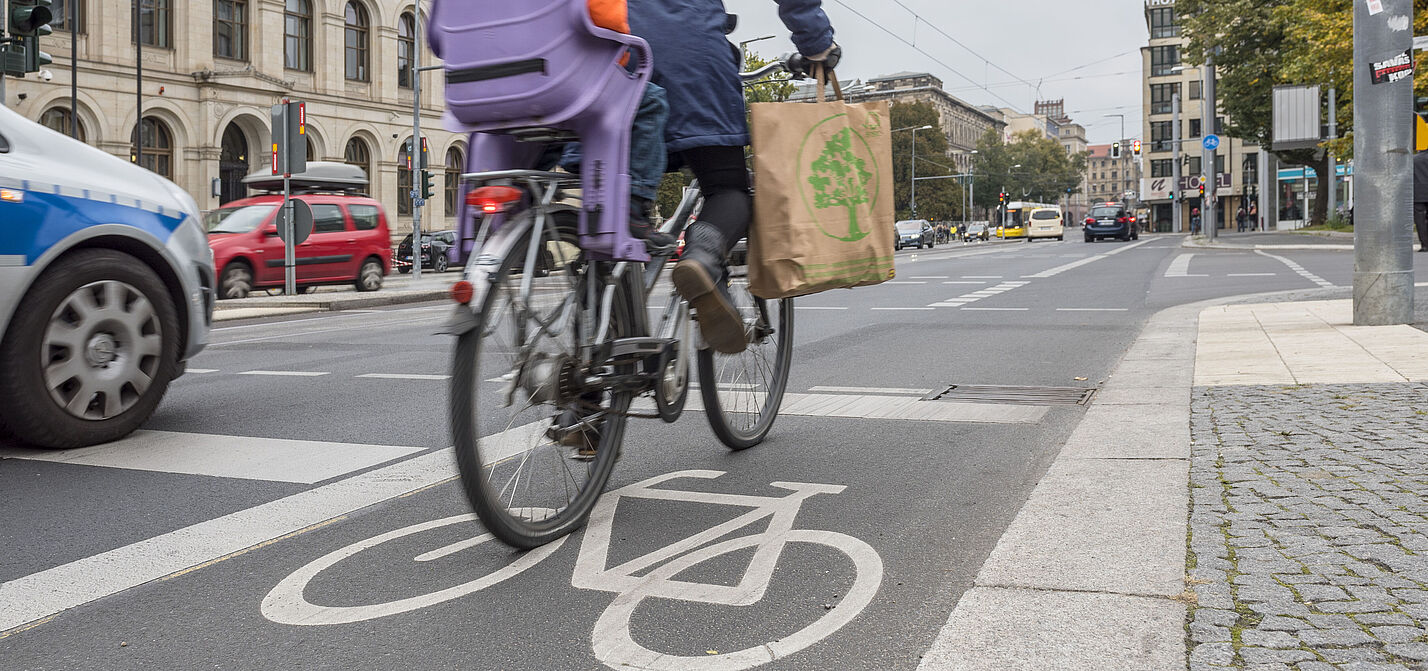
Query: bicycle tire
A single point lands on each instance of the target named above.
(741, 417)
(479, 467)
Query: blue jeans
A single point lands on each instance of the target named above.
(648, 157)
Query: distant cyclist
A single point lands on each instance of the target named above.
(707, 131)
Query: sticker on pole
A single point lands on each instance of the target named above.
(1211, 142)
(1374, 6)
(1398, 68)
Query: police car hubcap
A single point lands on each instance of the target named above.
(101, 350)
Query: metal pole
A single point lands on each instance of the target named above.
(1175, 163)
(1333, 160)
(138, 88)
(1211, 109)
(912, 200)
(289, 226)
(1383, 165)
(74, 68)
(416, 154)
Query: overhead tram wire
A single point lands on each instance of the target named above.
(918, 49)
(918, 17)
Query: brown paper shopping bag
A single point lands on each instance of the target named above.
(823, 197)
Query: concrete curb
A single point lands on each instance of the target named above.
(1192, 243)
(248, 308)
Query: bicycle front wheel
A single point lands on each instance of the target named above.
(742, 392)
(535, 443)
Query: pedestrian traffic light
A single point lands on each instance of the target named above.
(428, 189)
(30, 18)
(1115, 150)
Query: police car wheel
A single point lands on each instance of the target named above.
(90, 353)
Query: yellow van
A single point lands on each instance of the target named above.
(1045, 222)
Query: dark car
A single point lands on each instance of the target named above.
(1110, 220)
(914, 233)
(976, 232)
(435, 251)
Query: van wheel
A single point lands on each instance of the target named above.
(369, 277)
(439, 264)
(237, 281)
(90, 353)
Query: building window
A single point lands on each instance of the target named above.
(1219, 164)
(1162, 136)
(455, 163)
(1195, 127)
(1163, 60)
(404, 179)
(1163, 23)
(68, 16)
(1195, 90)
(1192, 165)
(1219, 125)
(1113, 175)
(60, 120)
(1161, 98)
(158, 145)
(406, 49)
(1162, 167)
(154, 24)
(230, 29)
(358, 35)
(357, 154)
(297, 40)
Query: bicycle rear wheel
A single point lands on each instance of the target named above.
(534, 445)
(742, 392)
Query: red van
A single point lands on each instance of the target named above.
(350, 241)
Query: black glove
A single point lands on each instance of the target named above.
(828, 59)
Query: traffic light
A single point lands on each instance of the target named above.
(1002, 198)
(427, 188)
(1135, 147)
(1202, 188)
(30, 18)
(1115, 150)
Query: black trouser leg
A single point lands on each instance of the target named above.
(1420, 222)
(724, 181)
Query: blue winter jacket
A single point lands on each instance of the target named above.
(698, 66)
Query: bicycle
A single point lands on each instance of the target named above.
(568, 340)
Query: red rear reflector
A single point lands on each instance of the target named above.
(493, 199)
(1090, 220)
(462, 291)
(1122, 220)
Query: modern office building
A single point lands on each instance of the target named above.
(213, 68)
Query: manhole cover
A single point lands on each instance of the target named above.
(987, 393)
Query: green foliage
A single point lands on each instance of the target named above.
(840, 179)
(1031, 167)
(937, 199)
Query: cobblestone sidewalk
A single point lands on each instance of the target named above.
(1309, 528)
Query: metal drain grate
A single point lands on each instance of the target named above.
(986, 393)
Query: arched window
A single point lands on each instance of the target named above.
(404, 180)
(406, 49)
(154, 23)
(358, 40)
(60, 120)
(158, 144)
(455, 163)
(359, 155)
(297, 35)
(230, 29)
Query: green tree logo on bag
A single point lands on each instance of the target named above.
(839, 181)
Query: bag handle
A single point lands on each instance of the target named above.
(824, 75)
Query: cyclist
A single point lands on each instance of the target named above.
(707, 131)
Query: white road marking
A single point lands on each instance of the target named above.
(285, 373)
(902, 282)
(896, 391)
(965, 282)
(978, 295)
(816, 307)
(1251, 275)
(981, 277)
(1052, 272)
(201, 371)
(55, 590)
(243, 457)
(999, 309)
(928, 277)
(896, 309)
(1092, 309)
(404, 376)
(1298, 269)
(1180, 267)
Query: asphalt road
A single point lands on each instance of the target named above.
(215, 538)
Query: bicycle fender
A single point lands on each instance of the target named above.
(482, 271)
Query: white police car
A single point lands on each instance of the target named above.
(105, 288)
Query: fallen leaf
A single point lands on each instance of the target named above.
(712, 652)
(1080, 379)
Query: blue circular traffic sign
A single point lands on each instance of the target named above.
(1212, 142)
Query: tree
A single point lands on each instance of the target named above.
(1031, 167)
(841, 179)
(937, 199)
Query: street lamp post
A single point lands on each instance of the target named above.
(912, 197)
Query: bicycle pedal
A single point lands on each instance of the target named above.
(652, 352)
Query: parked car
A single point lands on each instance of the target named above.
(1110, 220)
(1045, 223)
(977, 232)
(436, 249)
(914, 233)
(106, 288)
(350, 241)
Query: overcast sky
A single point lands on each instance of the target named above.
(1086, 51)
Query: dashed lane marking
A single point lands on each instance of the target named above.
(1294, 266)
(999, 309)
(404, 376)
(978, 295)
(1092, 309)
(285, 373)
(817, 307)
(901, 309)
(1251, 275)
(981, 277)
(201, 371)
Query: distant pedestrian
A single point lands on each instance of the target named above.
(1420, 198)
(1240, 220)
(1195, 221)
(1254, 221)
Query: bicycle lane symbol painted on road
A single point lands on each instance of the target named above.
(612, 640)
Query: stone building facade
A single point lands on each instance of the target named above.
(213, 68)
(1110, 179)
